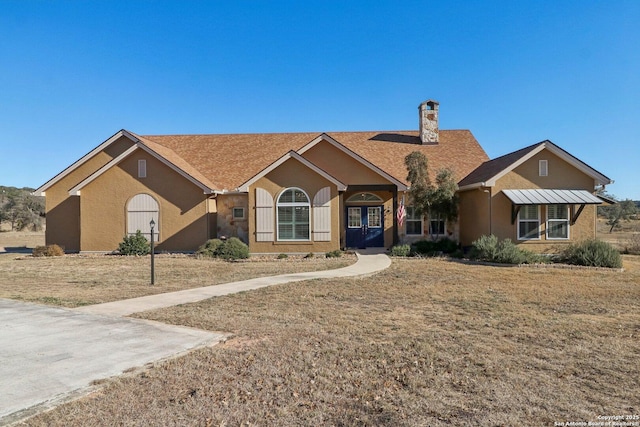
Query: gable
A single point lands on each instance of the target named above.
(487, 174)
(343, 166)
(89, 163)
(560, 173)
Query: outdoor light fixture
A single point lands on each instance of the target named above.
(153, 275)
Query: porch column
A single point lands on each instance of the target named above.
(396, 232)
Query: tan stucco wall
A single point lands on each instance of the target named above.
(183, 219)
(341, 166)
(226, 225)
(473, 214)
(63, 211)
(292, 173)
(474, 207)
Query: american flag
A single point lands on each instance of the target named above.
(401, 214)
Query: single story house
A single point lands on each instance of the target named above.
(314, 192)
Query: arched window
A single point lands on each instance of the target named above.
(364, 197)
(141, 209)
(293, 215)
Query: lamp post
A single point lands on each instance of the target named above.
(153, 275)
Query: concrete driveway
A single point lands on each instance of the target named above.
(49, 355)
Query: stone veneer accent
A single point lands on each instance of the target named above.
(227, 226)
(429, 121)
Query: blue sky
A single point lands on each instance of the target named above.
(72, 73)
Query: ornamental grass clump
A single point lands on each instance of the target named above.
(592, 253)
(49, 250)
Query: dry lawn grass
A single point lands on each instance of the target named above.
(424, 343)
(75, 280)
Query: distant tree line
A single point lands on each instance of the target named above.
(21, 209)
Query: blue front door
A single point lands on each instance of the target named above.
(365, 226)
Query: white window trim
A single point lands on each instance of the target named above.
(558, 220)
(407, 220)
(238, 218)
(292, 204)
(142, 168)
(543, 168)
(373, 209)
(528, 220)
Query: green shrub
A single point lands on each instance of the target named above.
(309, 255)
(400, 250)
(209, 248)
(485, 248)
(136, 244)
(232, 249)
(435, 247)
(488, 248)
(592, 253)
(334, 254)
(49, 250)
(282, 256)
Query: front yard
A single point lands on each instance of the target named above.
(427, 342)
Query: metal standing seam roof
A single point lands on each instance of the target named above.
(551, 197)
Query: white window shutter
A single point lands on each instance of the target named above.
(322, 215)
(264, 216)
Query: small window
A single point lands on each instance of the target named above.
(543, 168)
(529, 222)
(413, 222)
(238, 213)
(557, 222)
(142, 168)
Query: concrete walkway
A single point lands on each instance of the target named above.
(368, 263)
(49, 355)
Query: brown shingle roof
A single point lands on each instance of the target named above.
(232, 159)
(491, 168)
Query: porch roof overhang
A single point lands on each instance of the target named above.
(551, 197)
(521, 198)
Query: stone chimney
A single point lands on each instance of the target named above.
(429, 121)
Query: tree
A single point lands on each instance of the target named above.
(616, 213)
(439, 201)
(21, 208)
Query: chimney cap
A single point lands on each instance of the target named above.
(429, 101)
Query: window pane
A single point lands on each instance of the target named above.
(437, 226)
(414, 227)
(355, 219)
(374, 218)
(302, 214)
(301, 231)
(558, 212)
(300, 197)
(529, 212)
(285, 231)
(285, 213)
(528, 230)
(558, 229)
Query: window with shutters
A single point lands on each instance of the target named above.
(141, 209)
(293, 212)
